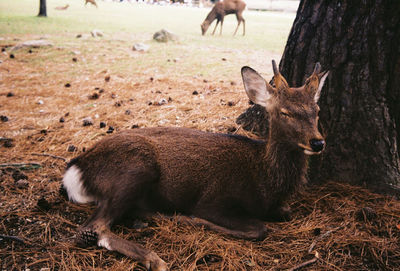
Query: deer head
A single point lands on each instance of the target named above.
(293, 111)
(204, 26)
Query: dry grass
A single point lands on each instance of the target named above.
(328, 218)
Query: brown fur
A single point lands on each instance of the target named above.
(230, 183)
(219, 11)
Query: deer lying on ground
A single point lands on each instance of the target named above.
(93, 2)
(228, 183)
(219, 11)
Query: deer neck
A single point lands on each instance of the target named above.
(211, 16)
(285, 166)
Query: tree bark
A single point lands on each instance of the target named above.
(42, 9)
(359, 42)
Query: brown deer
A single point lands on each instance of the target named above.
(228, 183)
(219, 11)
(93, 2)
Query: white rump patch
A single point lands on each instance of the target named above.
(103, 242)
(73, 184)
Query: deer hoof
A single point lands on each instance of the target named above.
(155, 263)
(285, 213)
(281, 214)
(86, 238)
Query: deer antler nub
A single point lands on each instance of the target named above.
(276, 71)
(280, 81)
(317, 68)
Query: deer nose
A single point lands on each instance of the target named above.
(317, 145)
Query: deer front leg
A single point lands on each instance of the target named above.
(215, 27)
(280, 213)
(255, 230)
(244, 228)
(237, 27)
(222, 22)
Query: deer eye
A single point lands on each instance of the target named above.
(285, 113)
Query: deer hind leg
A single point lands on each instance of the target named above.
(237, 27)
(97, 232)
(239, 19)
(148, 258)
(113, 207)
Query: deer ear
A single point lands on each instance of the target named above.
(322, 78)
(257, 89)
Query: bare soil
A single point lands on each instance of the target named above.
(45, 95)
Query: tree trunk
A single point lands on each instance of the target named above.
(42, 9)
(359, 42)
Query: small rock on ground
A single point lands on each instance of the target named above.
(22, 184)
(164, 36)
(87, 121)
(33, 44)
(96, 33)
(71, 148)
(140, 47)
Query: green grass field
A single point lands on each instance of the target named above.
(125, 24)
(265, 30)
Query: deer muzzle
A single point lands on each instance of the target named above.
(315, 146)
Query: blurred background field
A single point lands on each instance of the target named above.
(125, 24)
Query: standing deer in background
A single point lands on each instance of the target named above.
(229, 183)
(219, 11)
(93, 2)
